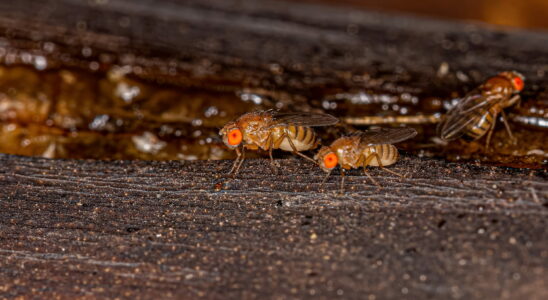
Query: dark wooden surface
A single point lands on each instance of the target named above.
(149, 229)
(275, 45)
(181, 230)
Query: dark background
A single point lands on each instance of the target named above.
(525, 14)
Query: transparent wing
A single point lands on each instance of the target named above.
(469, 110)
(379, 136)
(302, 119)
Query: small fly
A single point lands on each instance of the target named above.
(361, 149)
(269, 130)
(476, 113)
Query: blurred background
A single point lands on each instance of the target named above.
(531, 14)
(157, 79)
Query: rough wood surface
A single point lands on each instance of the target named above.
(146, 229)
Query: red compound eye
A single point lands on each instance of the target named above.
(330, 160)
(235, 137)
(518, 83)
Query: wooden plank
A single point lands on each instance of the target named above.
(283, 45)
(149, 229)
(298, 56)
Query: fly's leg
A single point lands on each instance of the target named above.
(490, 133)
(236, 167)
(366, 162)
(325, 179)
(342, 181)
(376, 155)
(270, 148)
(236, 161)
(505, 121)
(286, 135)
(517, 99)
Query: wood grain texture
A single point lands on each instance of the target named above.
(149, 229)
(294, 47)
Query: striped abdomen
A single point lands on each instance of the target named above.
(303, 138)
(476, 130)
(388, 154)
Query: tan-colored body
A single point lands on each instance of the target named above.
(362, 149)
(475, 115)
(499, 86)
(351, 155)
(268, 130)
(258, 133)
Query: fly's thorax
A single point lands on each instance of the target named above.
(258, 137)
(345, 142)
(349, 156)
(498, 85)
(346, 149)
(255, 130)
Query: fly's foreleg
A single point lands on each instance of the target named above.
(238, 162)
(325, 179)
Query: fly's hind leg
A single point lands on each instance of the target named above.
(286, 135)
(366, 162)
(376, 155)
(236, 161)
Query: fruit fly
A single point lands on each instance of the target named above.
(269, 130)
(475, 114)
(361, 149)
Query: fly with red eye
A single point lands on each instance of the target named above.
(362, 149)
(518, 83)
(269, 130)
(476, 113)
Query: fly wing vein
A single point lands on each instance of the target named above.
(303, 119)
(386, 136)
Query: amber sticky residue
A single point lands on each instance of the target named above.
(69, 113)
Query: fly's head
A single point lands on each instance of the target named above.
(326, 159)
(517, 80)
(232, 135)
